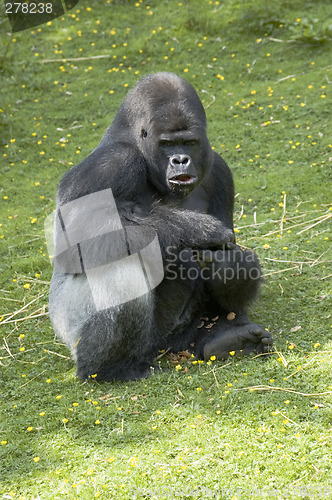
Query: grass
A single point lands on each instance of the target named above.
(245, 428)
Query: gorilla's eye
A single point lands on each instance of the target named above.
(164, 143)
(144, 133)
(192, 142)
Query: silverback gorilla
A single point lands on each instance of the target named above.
(144, 242)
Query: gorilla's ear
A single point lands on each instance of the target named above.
(144, 134)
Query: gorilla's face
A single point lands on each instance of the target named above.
(178, 160)
(168, 121)
(180, 152)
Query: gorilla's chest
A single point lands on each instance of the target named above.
(197, 201)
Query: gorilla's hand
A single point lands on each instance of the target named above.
(206, 256)
(190, 229)
(219, 238)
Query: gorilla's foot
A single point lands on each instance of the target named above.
(242, 339)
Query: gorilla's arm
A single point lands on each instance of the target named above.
(180, 228)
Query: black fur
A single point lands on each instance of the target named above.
(156, 143)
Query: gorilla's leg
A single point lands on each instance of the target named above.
(117, 343)
(233, 279)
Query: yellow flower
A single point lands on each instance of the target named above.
(36, 459)
(232, 353)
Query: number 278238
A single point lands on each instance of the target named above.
(25, 8)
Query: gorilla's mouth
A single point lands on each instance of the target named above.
(183, 180)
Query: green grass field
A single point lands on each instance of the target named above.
(240, 429)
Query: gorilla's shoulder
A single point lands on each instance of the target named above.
(102, 169)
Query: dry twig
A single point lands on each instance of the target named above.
(8, 320)
(71, 59)
(282, 389)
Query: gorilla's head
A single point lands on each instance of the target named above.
(165, 118)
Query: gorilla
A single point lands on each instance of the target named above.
(144, 246)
